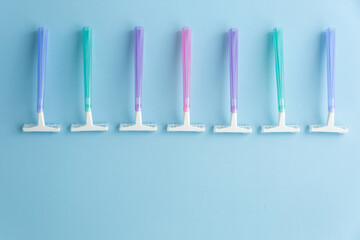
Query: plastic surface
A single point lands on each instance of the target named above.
(233, 127)
(40, 126)
(89, 126)
(41, 69)
(139, 49)
(186, 60)
(233, 60)
(233, 36)
(279, 67)
(329, 127)
(330, 55)
(281, 127)
(87, 54)
(138, 125)
(186, 126)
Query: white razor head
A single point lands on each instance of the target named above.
(232, 129)
(328, 129)
(89, 127)
(186, 128)
(41, 128)
(280, 129)
(138, 127)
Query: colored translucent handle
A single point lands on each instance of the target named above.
(233, 59)
(186, 59)
(42, 50)
(279, 67)
(139, 49)
(330, 53)
(87, 53)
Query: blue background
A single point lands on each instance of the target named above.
(114, 185)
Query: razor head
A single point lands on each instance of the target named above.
(232, 129)
(41, 128)
(186, 128)
(280, 129)
(145, 127)
(328, 129)
(89, 127)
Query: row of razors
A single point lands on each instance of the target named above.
(186, 126)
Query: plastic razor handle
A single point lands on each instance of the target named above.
(330, 53)
(279, 67)
(186, 60)
(139, 49)
(87, 52)
(233, 59)
(42, 50)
